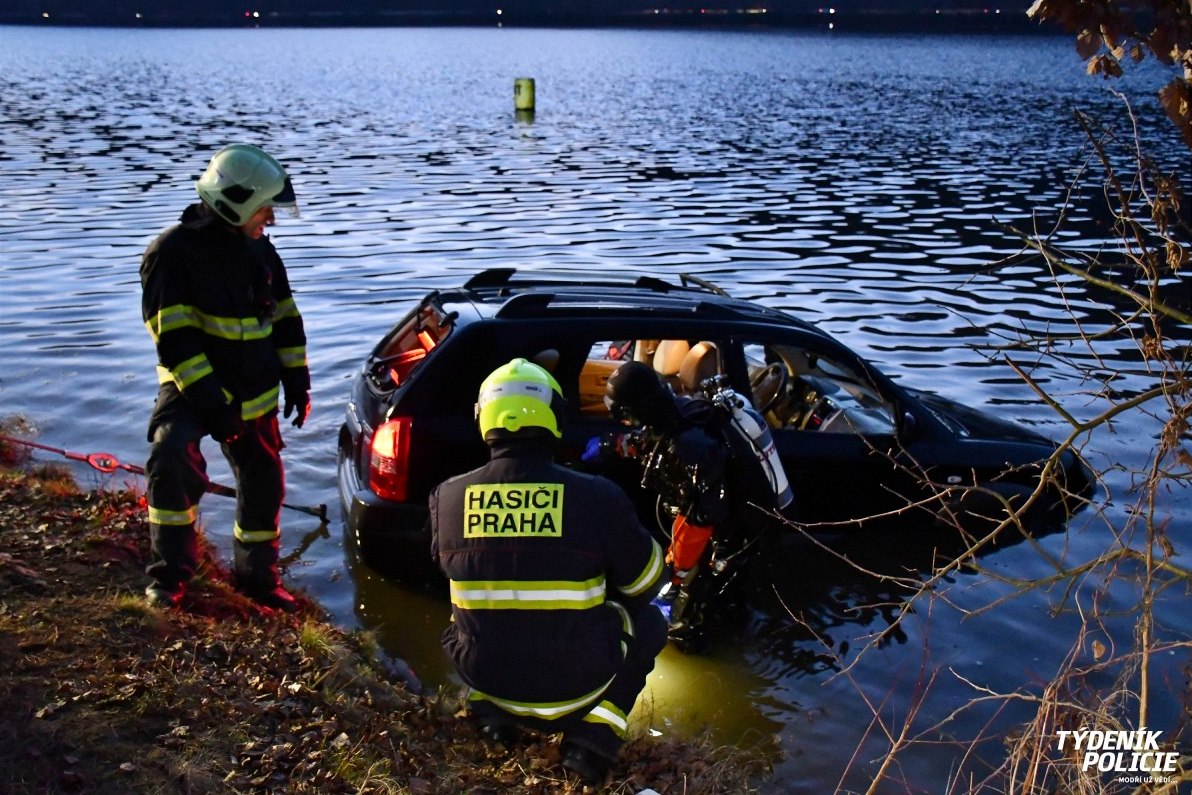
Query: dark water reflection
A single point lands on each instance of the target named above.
(859, 182)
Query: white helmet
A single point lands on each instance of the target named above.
(241, 179)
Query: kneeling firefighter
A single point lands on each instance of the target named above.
(217, 302)
(551, 579)
(709, 458)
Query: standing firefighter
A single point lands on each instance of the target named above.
(217, 302)
(551, 579)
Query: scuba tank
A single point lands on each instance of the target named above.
(756, 432)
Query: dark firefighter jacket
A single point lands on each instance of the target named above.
(219, 308)
(533, 551)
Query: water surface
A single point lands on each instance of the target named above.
(861, 182)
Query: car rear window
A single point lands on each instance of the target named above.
(406, 347)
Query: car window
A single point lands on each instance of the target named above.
(683, 364)
(405, 348)
(602, 360)
(802, 389)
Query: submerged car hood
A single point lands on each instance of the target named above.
(971, 422)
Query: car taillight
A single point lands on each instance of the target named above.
(389, 462)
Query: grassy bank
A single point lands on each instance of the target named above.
(101, 694)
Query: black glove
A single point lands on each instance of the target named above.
(300, 404)
(226, 426)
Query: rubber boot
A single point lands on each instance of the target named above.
(589, 764)
(257, 576)
(173, 558)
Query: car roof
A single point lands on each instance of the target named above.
(508, 293)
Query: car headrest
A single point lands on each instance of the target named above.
(643, 351)
(700, 363)
(547, 359)
(668, 358)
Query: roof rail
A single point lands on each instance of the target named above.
(525, 305)
(689, 278)
(503, 277)
(653, 283)
(492, 277)
(539, 304)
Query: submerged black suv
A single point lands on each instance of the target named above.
(854, 443)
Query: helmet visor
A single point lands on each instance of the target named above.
(285, 199)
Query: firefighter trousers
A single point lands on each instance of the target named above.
(176, 479)
(600, 727)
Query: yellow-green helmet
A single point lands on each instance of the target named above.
(519, 396)
(241, 179)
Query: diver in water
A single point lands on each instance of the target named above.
(709, 458)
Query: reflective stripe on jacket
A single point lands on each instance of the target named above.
(534, 553)
(222, 316)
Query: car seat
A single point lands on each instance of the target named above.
(701, 363)
(668, 358)
(643, 351)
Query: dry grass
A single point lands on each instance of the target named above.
(102, 694)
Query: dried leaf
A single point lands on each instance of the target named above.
(1088, 43)
(1098, 650)
(1162, 44)
(1165, 545)
(49, 709)
(1104, 65)
(1176, 98)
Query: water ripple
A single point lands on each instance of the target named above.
(866, 191)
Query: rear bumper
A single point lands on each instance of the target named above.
(392, 538)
